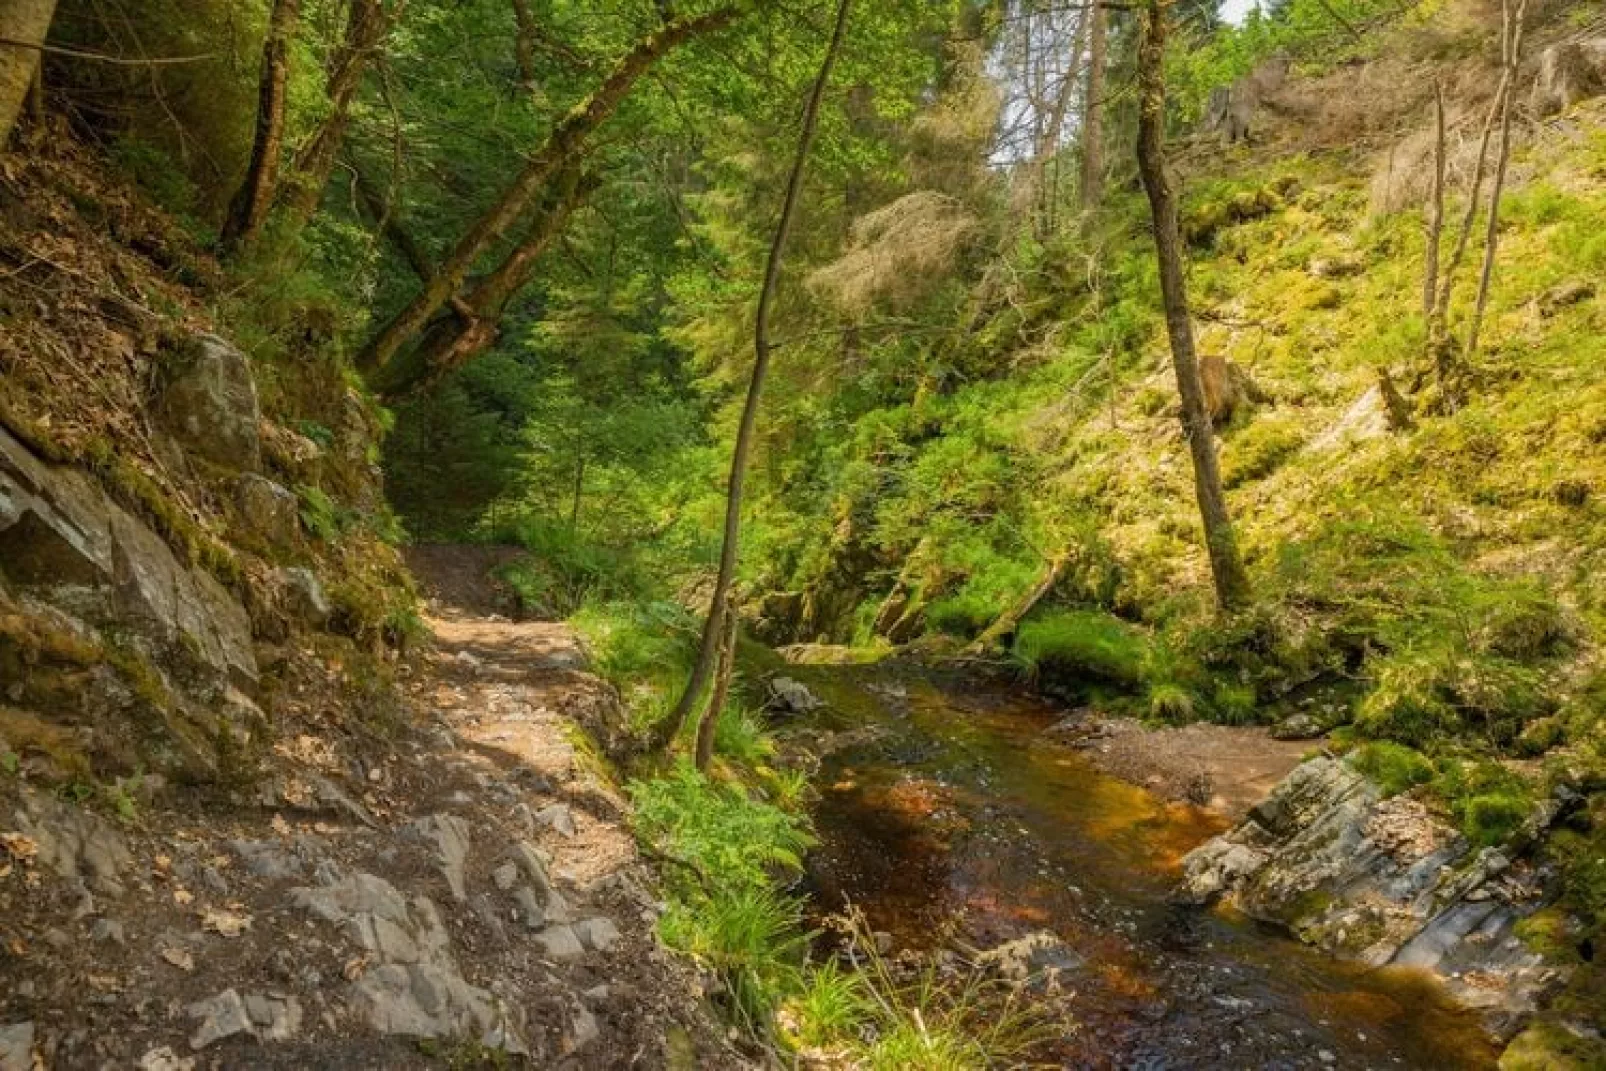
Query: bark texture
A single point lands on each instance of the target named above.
(1093, 109)
(25, 21)
(560, 147)
(249, 208)
(367, 26)
(665, 731)
(1226, 566)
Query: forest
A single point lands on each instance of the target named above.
(1173, 432)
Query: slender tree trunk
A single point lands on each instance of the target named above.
(1226, 567)
(1093, 110)
(1048, 144)
(563, 142)
(1430, 270)
(366, 28)
(249, 208)
(25, 22)
(1511, 44)
(473, 324)
(666, 730)
(708, 728)
(579, 486)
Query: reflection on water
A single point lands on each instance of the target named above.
(963, 823)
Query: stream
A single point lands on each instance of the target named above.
(951, 820)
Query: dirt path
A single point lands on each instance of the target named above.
(467, 884)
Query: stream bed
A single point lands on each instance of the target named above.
(952, 820)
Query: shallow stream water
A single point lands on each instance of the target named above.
(956, 822)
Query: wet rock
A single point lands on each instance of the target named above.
(450, 836)
(598, 934)
(789, 696)
(209, 403)
(268, 510)
(557, 818)
(1386, 882)
(16, 1047)
(222, 1016)
(1030, 958)
(304, 596)
(1298, 727)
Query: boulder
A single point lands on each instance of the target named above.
(1297, 727)
(450, 836)
(1386, 882)
(268, 510)
(1569, 71)
(304, 597)
(788, 696)
(65, 540)
(209, 404)
(221, 1016)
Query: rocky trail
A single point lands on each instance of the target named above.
(464, 888)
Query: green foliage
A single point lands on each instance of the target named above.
(834, 1004)
(1073, 643)
(1395, 767)
(718, 829)
(1490, 801)
(1256, 451)
(751, 938)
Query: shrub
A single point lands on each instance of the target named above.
(1394, 767)
(1081, 643)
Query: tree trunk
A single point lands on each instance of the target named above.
(473, 324)
(25, 22)
(1226, 567)
(666, 730)
(561, 144)
(708, 728)
(524, 42)
(366, 28)
(1009, 619)
(249, 208)
(1511, 47)
(1430, 269)
(1093, 110)
(384, 218)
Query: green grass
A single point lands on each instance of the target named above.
(1078, 643)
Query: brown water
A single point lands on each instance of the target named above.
(962, 824)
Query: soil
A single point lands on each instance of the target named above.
(490, 732)
(1227, 769)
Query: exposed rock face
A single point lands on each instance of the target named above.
(268, 510)
(1383, 881)
(1569, 72)
(210, 404)
(1230, 112)
(65, 540)
(792, 697)
(77, 844)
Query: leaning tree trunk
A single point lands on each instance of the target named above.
(23, 24)
(665, 731)
(366, 28)
(560, 146)
(1226, 567)
(1010, 619)
(473, 324)
(1093, 110)
(708, 728)
(249, 208)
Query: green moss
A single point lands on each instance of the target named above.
(1394, 767)
(1257, 450)
(1074, 643)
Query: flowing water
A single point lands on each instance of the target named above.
(955, 821)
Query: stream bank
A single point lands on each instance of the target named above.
(953, 821)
